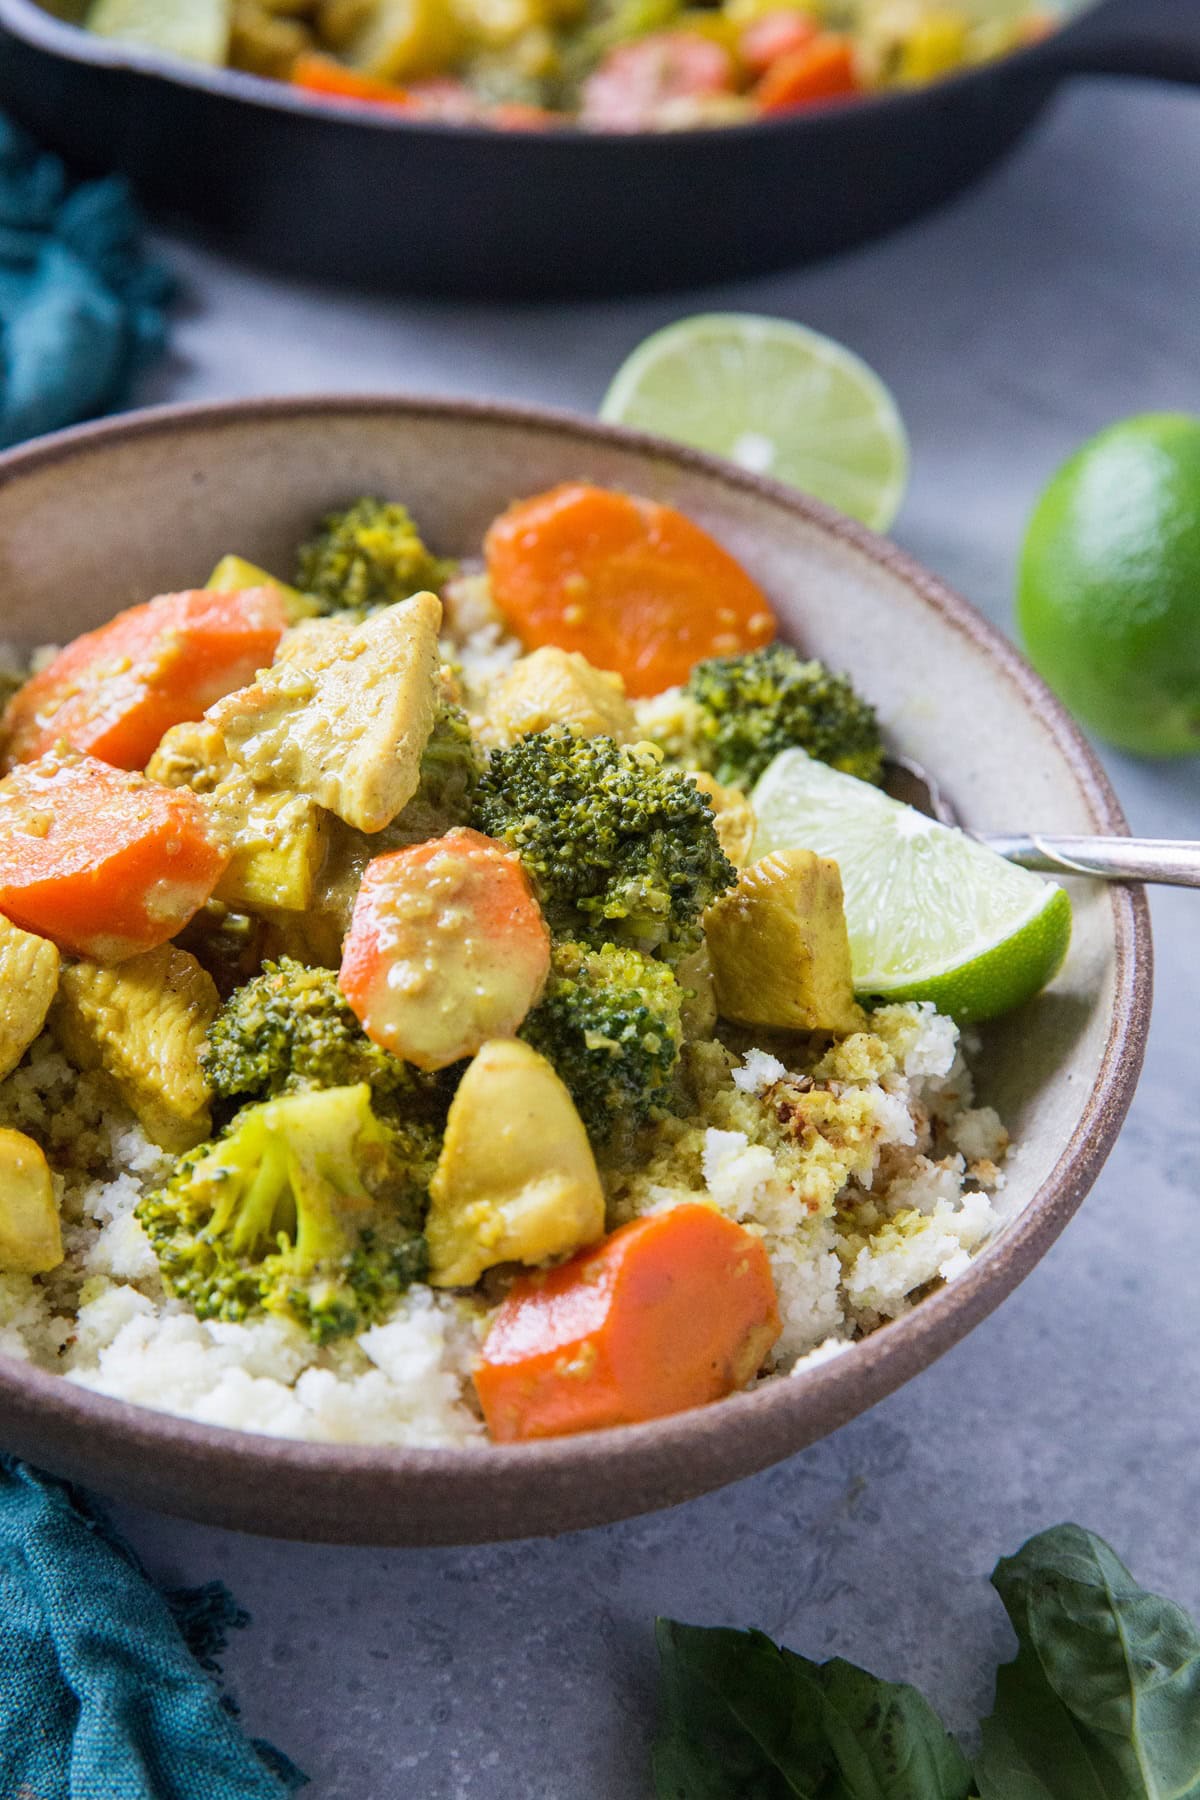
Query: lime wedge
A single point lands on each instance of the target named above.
(777, 399)
(195, 29)
(932, 914)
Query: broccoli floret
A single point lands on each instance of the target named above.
(450, 765)
(290, 1028)
(618, 847)
(369, 555)
(308, 1206)
(609, 1023)
(751, 707)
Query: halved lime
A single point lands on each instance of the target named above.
(776, 398)
(195, 29)
(932, 914)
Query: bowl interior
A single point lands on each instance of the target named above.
(105, 517)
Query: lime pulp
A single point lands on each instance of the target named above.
(931, 913)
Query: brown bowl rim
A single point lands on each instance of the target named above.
(834, 1391)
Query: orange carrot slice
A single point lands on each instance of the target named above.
(634, 585)
(672, 1311)
(324, 75)
(809, 76)
(112, 693)
(447, 948)
(102, 862)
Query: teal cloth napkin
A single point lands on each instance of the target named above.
(107, 1687)
(81, 309)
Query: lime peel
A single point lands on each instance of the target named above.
(932, 914)
(1108, 598)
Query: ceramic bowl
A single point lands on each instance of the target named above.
(99, 518)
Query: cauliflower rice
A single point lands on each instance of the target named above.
(869, 1173)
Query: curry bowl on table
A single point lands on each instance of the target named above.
(418, 1030)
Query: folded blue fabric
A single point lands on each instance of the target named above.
(101, 1696)
(81, 310)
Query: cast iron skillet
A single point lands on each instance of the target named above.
(360, 196)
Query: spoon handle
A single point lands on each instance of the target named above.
(1171, 862)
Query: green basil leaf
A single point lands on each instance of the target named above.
(744, 1720)
(1103, 1699)
(1032, 1749)
(887, 1741)
(736, 1724)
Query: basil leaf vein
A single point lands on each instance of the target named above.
(1102, 1701)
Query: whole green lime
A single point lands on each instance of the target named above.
(1109, 588)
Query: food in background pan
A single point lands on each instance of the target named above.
(611, 65)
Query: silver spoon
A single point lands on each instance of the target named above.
(1170, 862)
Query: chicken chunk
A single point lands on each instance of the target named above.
(278, 840)
(30, 1234)
(266, 39)
(344, 716)
(192, 755)
(143, 1022)
(516, 1180)
(278, 843)
(28, 981)
(779, 947)
(699, 1012)
(404, 40)
(558, 687)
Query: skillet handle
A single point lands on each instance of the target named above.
(1159, 38)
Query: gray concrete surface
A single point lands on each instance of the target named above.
(1060, 295)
